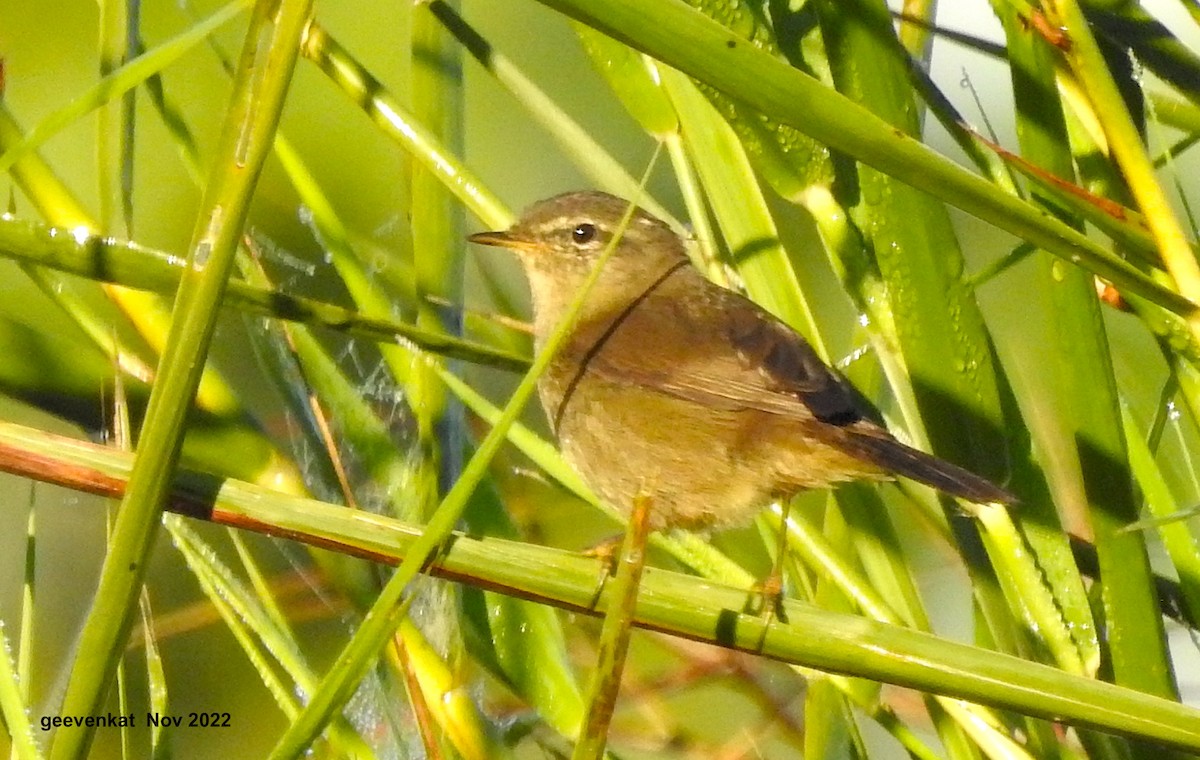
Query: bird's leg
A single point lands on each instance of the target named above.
(606, 550)
(766, 597)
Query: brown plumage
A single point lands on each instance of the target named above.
(690, 393)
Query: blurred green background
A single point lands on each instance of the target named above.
(49, 57)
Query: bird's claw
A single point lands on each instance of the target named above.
(606, 551)
(766, 599)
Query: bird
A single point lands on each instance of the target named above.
(675, 389)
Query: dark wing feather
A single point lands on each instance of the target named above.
(738, 357)
(788, 365)
(753, 361)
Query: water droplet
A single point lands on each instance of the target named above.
(203, 251)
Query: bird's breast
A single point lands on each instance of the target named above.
(692, 462)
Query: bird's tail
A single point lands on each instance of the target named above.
(893, 456)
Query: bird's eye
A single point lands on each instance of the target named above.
(583, 233)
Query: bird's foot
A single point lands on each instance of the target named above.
(766, 598)
(607, 552)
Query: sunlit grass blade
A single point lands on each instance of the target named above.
(636, 84)
(1179, 541)
(156, 679)
(55, 201)
(619, 600)
(135, 266)
(1173, 112)
(698, 46)
(585, 151)
(122, 80)
(13, 705)
(1074, 367)
(834, 736)
(670, 602)
(1156, 46)
(438, 259)
(261, 640)
(1131, 610)
(24, 650)
(120, 432)
(945, 347)
(248, 622)
(448, 698)
(825, 560)
(391, 607)
(390, 469)
(398, 123)
(837, 728)
(39, 183)
(401, 125)
(1090, 68)
(115, 120)
(523, 643)
(740, 209)
(264, 73)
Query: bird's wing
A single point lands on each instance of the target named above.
(746, 359)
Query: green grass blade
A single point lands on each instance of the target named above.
(390, 609)
(119, 23)
(1063, 376)
(1136, 638)
(120, 81)
(264, 73)
(590, 156)
(436, 96)
(1177, 539)
(13, 704)
(1154, 44)
(257, 633)
(619, 600)
(740, 209)
(156, 679)
(1128, 150)
(700, 47)
(939, 328)
(131, 265)
(670, 602)
(523, 642)
(398, 123)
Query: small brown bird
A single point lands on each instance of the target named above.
(680, 390)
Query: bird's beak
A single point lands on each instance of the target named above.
(503, 239)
